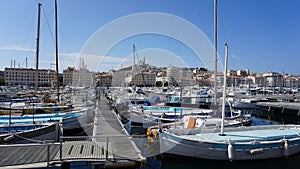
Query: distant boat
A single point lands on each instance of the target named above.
(247, 103)
(12, 107)
(152, 114)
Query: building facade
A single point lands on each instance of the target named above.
(143, 79)
(273, 79)
(179, 76)
(104, 80)
(68, 76)
(118, 78)
(78, 77)
(23, 76)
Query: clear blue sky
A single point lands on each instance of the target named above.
(263, 35)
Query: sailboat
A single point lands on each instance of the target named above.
(34, 127)
(242, 143)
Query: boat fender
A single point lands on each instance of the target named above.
(286, 152)
(148, 131)
(256, 151)
(230, 152)
(151, 133)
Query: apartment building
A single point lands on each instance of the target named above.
(23, 76)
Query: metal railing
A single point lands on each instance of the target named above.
(102, 149)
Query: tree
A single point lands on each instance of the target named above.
(159, 83)
(2, 83)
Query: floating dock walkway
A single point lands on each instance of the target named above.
(283, 112)
(109, 146)
(288, 105)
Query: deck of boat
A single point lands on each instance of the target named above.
(250, 135)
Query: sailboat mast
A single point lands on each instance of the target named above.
(133, 51)
(224, 90)
(56, 52)
(37, 49)
(216, 57)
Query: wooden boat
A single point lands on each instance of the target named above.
(149, 114)
(29, 133)
(242, 143)
(69, 120)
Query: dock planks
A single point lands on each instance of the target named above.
(108, 125)
(26, 154)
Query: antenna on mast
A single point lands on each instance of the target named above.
(133, 51)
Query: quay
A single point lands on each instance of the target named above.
(272, 97)
(293, 108)
(283, 112)
(109, 146)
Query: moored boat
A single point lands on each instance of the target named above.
(243, 143)
(239, 143)
(29, 133)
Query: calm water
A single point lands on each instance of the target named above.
(259, 118)
(290, 163)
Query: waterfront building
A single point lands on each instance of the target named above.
(23, 76)
(259, 79)
(177, 76)
(273, 79)
(68, 75)
(118, 78)
(233, 80)
(220, 78)
(243, 73)
(134, 75)
(291, 81)
(143, 79)
(202, 77)
(78, 77)
(173, 75)
(232, 73)
(104, 80)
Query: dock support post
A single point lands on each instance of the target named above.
(282, 110)
(60, 149)
(106, 155)
(9, 122)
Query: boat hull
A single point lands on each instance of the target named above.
(45, 132)
(250, 150)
